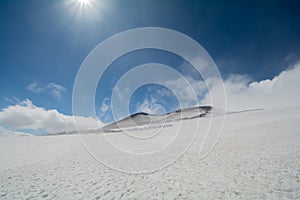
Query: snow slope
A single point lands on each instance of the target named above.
(257, 157)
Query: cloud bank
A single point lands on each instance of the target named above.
(27, 116)
(242, 93)
(280, 91)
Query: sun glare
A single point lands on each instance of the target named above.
(84, 2)
(87, 9)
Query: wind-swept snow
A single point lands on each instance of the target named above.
(257, 157)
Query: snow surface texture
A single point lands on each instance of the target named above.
(256, 157)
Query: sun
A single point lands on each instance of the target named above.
(85, 8)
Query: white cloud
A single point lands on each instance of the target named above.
(12, 100)
(105, 107)
(280, 91)
(187, 90)
(150, 106)
(35, 87)
(52, 89)
(55, 90)
(25, 115)
(104, 111)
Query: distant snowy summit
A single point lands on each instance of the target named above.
(145, 120)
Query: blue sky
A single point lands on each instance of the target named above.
(43, 44)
